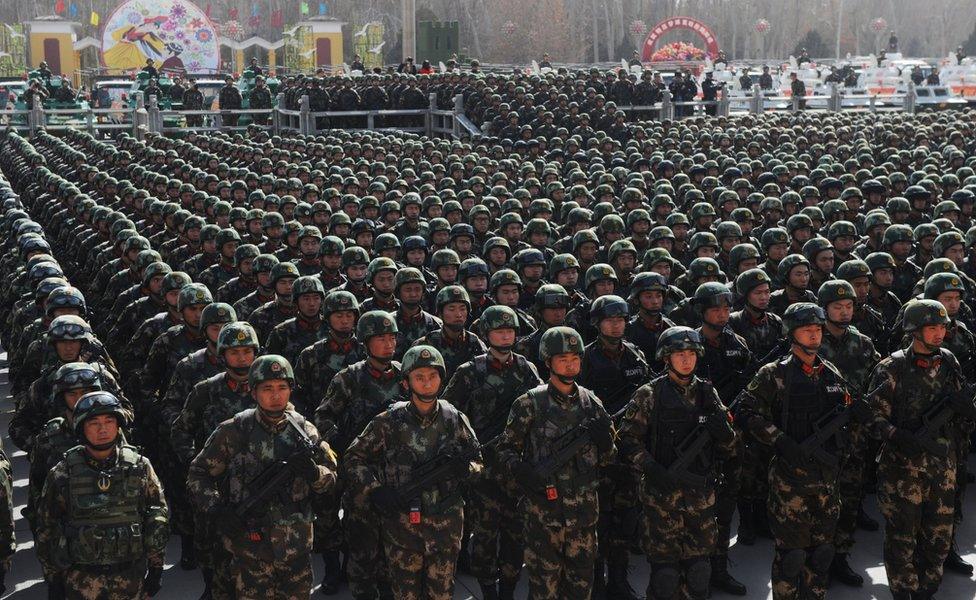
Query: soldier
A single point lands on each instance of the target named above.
(780, 408)
(917, 477)
(678, 527)
(561, 503)
(552, 303)
(421, 532)
(260, 99)
(102, 490)
(244, 282)
(484, 390)
(270, 544)
(613, 369)
(453, 342)
(271, 314)
(307, 326)
(413, 322)
(229, 98)
(8, 542)
(264, 290)
(761, 329)
(356, 395)
(132, 355)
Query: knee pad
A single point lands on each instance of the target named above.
(664, 582)
(820, 558)
(792, 561)
(698, 576)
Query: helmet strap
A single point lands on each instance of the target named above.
(932, 348)
(682, 379)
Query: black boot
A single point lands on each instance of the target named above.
(188, 554)
(489, 590)
(618, 587)
(506, 590)
(747, 525)
(864, 521)
(599, 581)
(923, 595)
(332, 579)
(842, 571)
(207, 584)
(723, 580)
(901, 595)
(955, 563)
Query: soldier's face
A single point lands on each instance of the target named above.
(717, 316)
(454, 315)
(501, 339)
(568, 278)
(309, 305)
(272, 396)
(841, 312)
(825, 261)
(566, 366)
(554, 316)
(283, 287)
(683, 362)
(342, 322)
(71, 397)
(933, 335)
(383, 282)
(424, 383)
(477, 284)
(759, 297)
(613, 327)
(956, 253)
(951, 301)
(382, 347)
(799, 277)
(101, 429)
(411, 293)
(156, 284)
(507, 295)
(68, 350)
(356, 273)
(883, 278)
(191, 315)
(809, 336)
(172, 297)
(212, 331)
(239, 358)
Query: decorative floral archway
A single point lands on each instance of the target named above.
(687, 23)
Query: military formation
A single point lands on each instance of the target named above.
(545, 357)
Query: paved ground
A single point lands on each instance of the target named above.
(750, 564)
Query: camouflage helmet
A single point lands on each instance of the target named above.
(307, 284)
(64, 297)
(648, 281)
(373, 323)
(834, 290)
(452, 293)
(444, 257)
(742, 252)
(789, 263)
(217, 312)
(850, 270)
(176, 280)
(702, 267)
(155, 269)
(284, 270)
(711, 295)
(945, 241)
(921, 313)
(879, 260)
(551, 295)
(264, 263)
(194, 293)
(269, 368)
(943, 282)
(76, 376)
(418, 357)
(504, 277)
(68, 328)
(560, 340)
(472, 267)
(339, 300)
(598, 272)
(750, 280)
(802, 314)
(239, 334)
(94, 404)
(675, 339)
(562, 262)
(498, 317)
(608, 306)
(354, 255)
(380, 263)
(897, 233)
(408, 275)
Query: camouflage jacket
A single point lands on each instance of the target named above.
(191, 370)
(174, 344)
(267, 316)
(209, 403)
(244, 446)
(613, 375)
(356, 395)
(761, 335)
(318, 365)
(133, 356)
(854, 353)
(455, 352)
(217, 276)
(290, 337)
(235, 289)
(412, 328)
(251, 302)
(131, 317)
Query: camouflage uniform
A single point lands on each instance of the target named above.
(456, 351)
(7, 536)
(423, 537)
(317, 366)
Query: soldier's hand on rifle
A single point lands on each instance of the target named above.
(308, 469)
(460, 467)
(528, 478)
(386, 499)
(658, 475)
(718, 426)
(153, 582)
(790, 450)
(601, 433)
(861, 411)
(905, 441)
(962, 403)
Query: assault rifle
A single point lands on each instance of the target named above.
(688, 451)
(434, 472)
(276, 476)
(935, 417)
(565, 449)
(824, 430)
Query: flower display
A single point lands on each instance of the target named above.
(678, 51)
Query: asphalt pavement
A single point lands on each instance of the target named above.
(750, 564)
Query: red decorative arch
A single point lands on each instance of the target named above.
(699, 28)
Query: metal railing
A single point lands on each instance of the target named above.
(143, 117)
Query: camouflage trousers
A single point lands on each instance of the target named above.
(366, 567)
(619, 510)
(678, 533)
(213, 558)
(284, 578)
(327, 528)
(496, 532)
(90, 584)
(422, 556)
(850, 486)
(174, 475)
(726, 497)
(803, 513)
(918, 507)
(559, 559)
(754, 476)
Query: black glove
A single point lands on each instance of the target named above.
(861, 412)
(906, 441)
(789, 449)
(460, 467)
(385, 499)
(962, 404)
(601, 433)
(658, 475)
(55, 590)
(153, 582)
(528, 478)
(718, 426)
(307, 469)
